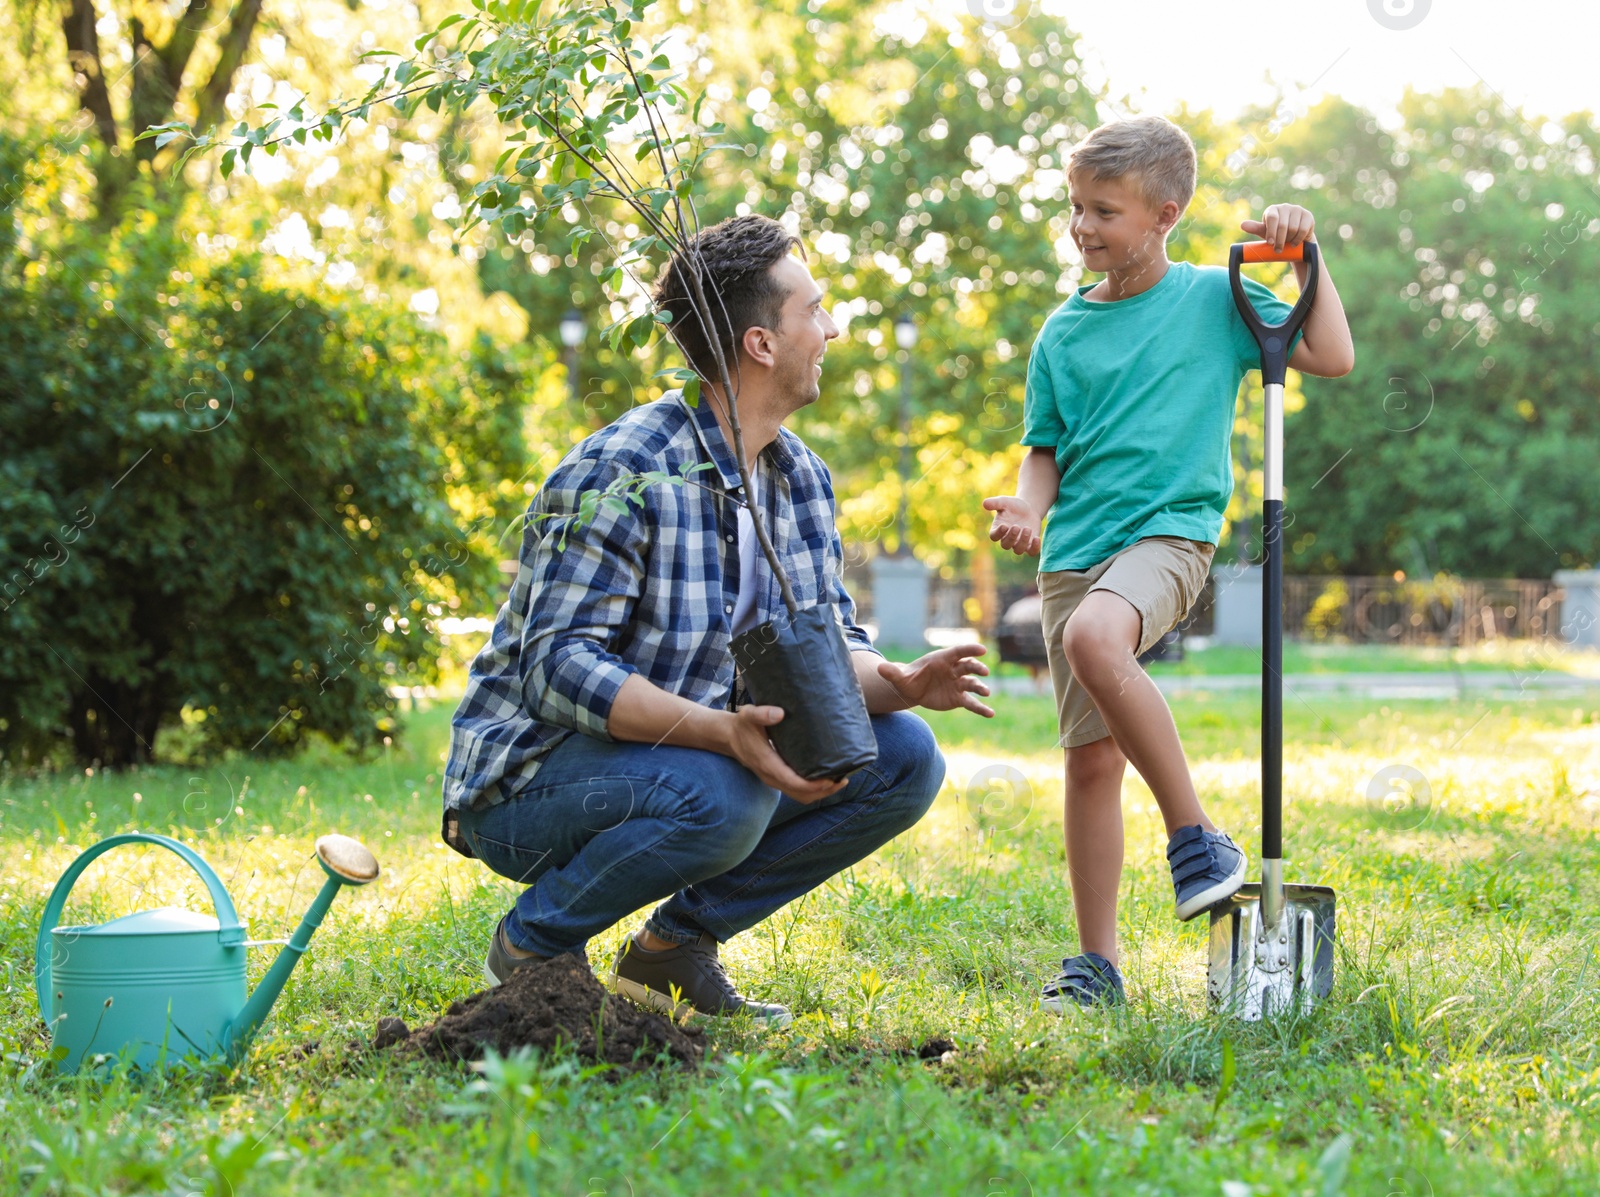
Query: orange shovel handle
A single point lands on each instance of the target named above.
(1262, 251)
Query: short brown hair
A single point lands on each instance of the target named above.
(735, 258)
(1151, 153)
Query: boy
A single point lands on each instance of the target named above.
(1129, 407)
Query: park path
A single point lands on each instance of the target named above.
(1485, 683)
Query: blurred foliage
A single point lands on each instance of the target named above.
(229, 497)
(1463, 244)
(918, 153)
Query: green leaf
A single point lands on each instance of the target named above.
(1334, 1165)
(1229, 1072)
(641, 329)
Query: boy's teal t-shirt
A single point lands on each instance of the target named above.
(1137, 399)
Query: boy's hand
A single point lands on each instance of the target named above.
(1016, 525)
(1282, 224)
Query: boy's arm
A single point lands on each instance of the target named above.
(1326, 347)
(1039, 480)
(1019, 518)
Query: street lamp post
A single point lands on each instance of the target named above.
(905, 336)
(572, 329)
(899, 580)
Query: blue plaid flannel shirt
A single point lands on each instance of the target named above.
(648, 590)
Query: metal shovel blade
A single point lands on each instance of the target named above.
(1257, 971)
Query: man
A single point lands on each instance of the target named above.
(601, 755)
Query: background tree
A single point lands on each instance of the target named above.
(1463, 242)
(164, 49)
(229, 497)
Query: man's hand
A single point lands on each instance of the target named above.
(942, 680)
(748, 744)
(1017, 526)
(1281, 224)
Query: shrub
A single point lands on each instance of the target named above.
(227, 496)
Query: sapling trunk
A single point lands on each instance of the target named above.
(805, 667)
(762, 538)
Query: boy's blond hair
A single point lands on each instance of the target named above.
(1152, 154)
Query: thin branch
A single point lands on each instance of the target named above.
(612, 246)
(655, 136)
(643, 210)
(756, 521)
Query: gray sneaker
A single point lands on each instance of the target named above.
(686, 979)
(497, 966)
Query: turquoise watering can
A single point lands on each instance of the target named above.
(169, 982)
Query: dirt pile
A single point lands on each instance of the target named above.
(542, 1005)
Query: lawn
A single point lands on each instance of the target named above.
(1458, 1053)
(1300, 656)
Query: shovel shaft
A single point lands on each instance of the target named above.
(1275, 342)
(1272, 663)
(1272, 948)
(1272, 685)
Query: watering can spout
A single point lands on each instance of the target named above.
(346, 862)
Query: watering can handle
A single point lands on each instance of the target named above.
(229, 930)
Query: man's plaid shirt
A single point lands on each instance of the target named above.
(647, 590)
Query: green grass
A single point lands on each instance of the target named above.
(1301, 656)
(1458, 1053)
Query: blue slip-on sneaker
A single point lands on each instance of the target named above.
(1086, 980)
(1207, 868)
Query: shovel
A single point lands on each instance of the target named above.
(1272, 943)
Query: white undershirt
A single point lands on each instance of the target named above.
(745, 609)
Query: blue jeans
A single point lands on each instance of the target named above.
(607, 827)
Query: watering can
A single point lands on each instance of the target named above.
(169, 981)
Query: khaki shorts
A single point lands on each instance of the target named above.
(1161, 576)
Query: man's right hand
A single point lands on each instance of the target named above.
(1017, 526)
(748, 744)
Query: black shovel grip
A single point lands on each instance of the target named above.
(1274, 339)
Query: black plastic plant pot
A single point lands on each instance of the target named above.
(803, 666)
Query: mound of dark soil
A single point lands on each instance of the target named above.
(933, 1049)
(545, 1004)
